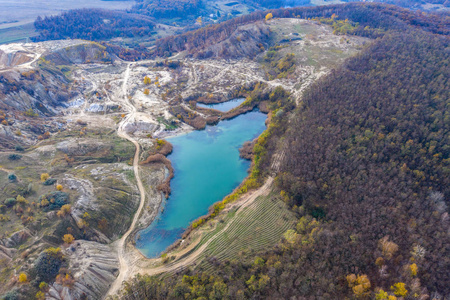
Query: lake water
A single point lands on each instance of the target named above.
(207, 168)
(224, 106)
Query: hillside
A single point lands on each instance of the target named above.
(366, 171)
(368, 20)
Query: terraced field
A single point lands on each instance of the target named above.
(252, 229)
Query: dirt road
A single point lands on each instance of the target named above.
(121, 244)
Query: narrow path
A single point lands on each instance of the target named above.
(121, 245)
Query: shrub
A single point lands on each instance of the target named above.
(14, 157)
(23, 278)
(43, 286)
(49, 181)
(30, 113)
(19, 148)
(10, 202)
(81, 122)
(59, 187)
(11, 295)
(68, 238)
(40, 295)
(44, 177)
(12, 177)
(57, 200)
(48, 263)
(21, 199)
(65, 210)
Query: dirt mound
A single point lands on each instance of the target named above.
(80, 54)
(13, 58)
(246, 41)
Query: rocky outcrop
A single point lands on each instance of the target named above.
(13, 55)
(138, 128)
(16, 239)
(246, 41)
(6, 253)
(80, 54)
(94, 267)
(78, 148)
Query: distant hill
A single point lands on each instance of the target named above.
(92, 24)
(410, 3)
(371, 19)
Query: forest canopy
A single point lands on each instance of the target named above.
(92, 24)
(168, 9)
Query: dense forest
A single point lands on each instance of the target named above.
(366, 172)
(411, 3)
(276, 3)
(168, 9)
(373, 20)
(92, 24)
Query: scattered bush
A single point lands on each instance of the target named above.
(54, 200)
(47, 265)
(49, 181)
(23, 278)
(14, 157)
(81, 122)
(30, 113)
(68, 238)
(10, 202)
(65, 210)
(11, 295)
(12, 177)
(43, 286)
(44, 176)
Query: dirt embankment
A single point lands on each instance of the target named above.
(163, 149)
(14, 58)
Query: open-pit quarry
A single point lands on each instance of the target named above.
(89, 120)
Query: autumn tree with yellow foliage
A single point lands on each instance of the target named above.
(44, 176)
(360, 285)
(68, 238)
(23, 278)
(64, 211)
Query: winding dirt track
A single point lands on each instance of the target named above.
(123, 263)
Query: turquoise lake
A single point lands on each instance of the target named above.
(224, 106)
(207, 168)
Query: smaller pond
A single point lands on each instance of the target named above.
(224, 106)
